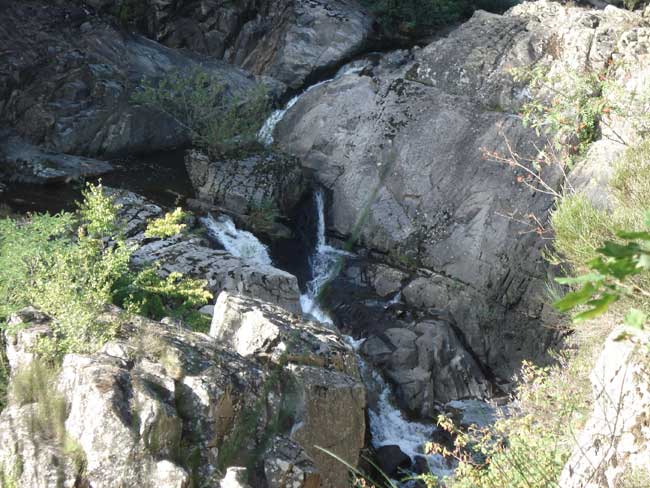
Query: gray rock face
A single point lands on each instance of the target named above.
(406, 141)
(269, 180)
(428, 364)
(615, 442)
(164, 407)
(409, 150)
(285, 39)
(330, 391)
(26, 163)
(68, 78)
(192, 256)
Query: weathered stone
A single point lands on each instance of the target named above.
(284, 39)
(27, 327)
(69, 76)
(260, 181)
(616, 439)
(338, 401)
(286, 465)
(254, 328)
(26, 163)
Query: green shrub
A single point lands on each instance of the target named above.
(167, 226)
(411, 16)
(70, 266)
(527, 449)
(218, 121)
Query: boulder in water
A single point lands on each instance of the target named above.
(392, 461)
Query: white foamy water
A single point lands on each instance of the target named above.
(239, 243)
(323, 264)
(265, 135)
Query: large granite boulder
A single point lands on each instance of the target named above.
(329, 386)
(268, 180)
(405, 142)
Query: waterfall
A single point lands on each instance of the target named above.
(323, 266)
(388, 425)
(239, 243)
(265, 134)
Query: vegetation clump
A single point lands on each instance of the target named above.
(71, 265)
(219, 121)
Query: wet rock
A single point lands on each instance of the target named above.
(192, 255)
(260, 182)
(392, 461)
(428, 365)
(615, 441)
(25, 163)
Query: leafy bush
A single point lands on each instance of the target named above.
(568, 107)
(527, 449)
(218, 121)
(407, 16)
(71, 265)
(167, 226)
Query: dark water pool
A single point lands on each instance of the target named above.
(160, 177)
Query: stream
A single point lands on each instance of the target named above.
(388, 425)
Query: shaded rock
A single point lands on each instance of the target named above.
(287, 465)
(615, 441)
(67, 84)
(404, 141)
(261, 181)
(386, 280)
(428, 365)
(284, 39)
(23, 162)
(392, 460)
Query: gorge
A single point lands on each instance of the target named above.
(380, 241)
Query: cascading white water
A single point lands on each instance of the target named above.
(265, 135)
(239, 243)
(323, 266)
(388, 425)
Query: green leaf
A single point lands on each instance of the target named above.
(613, 250)
(636, 318)
(599, 307)
(586, 278)
(575, 298)
(631, 236)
